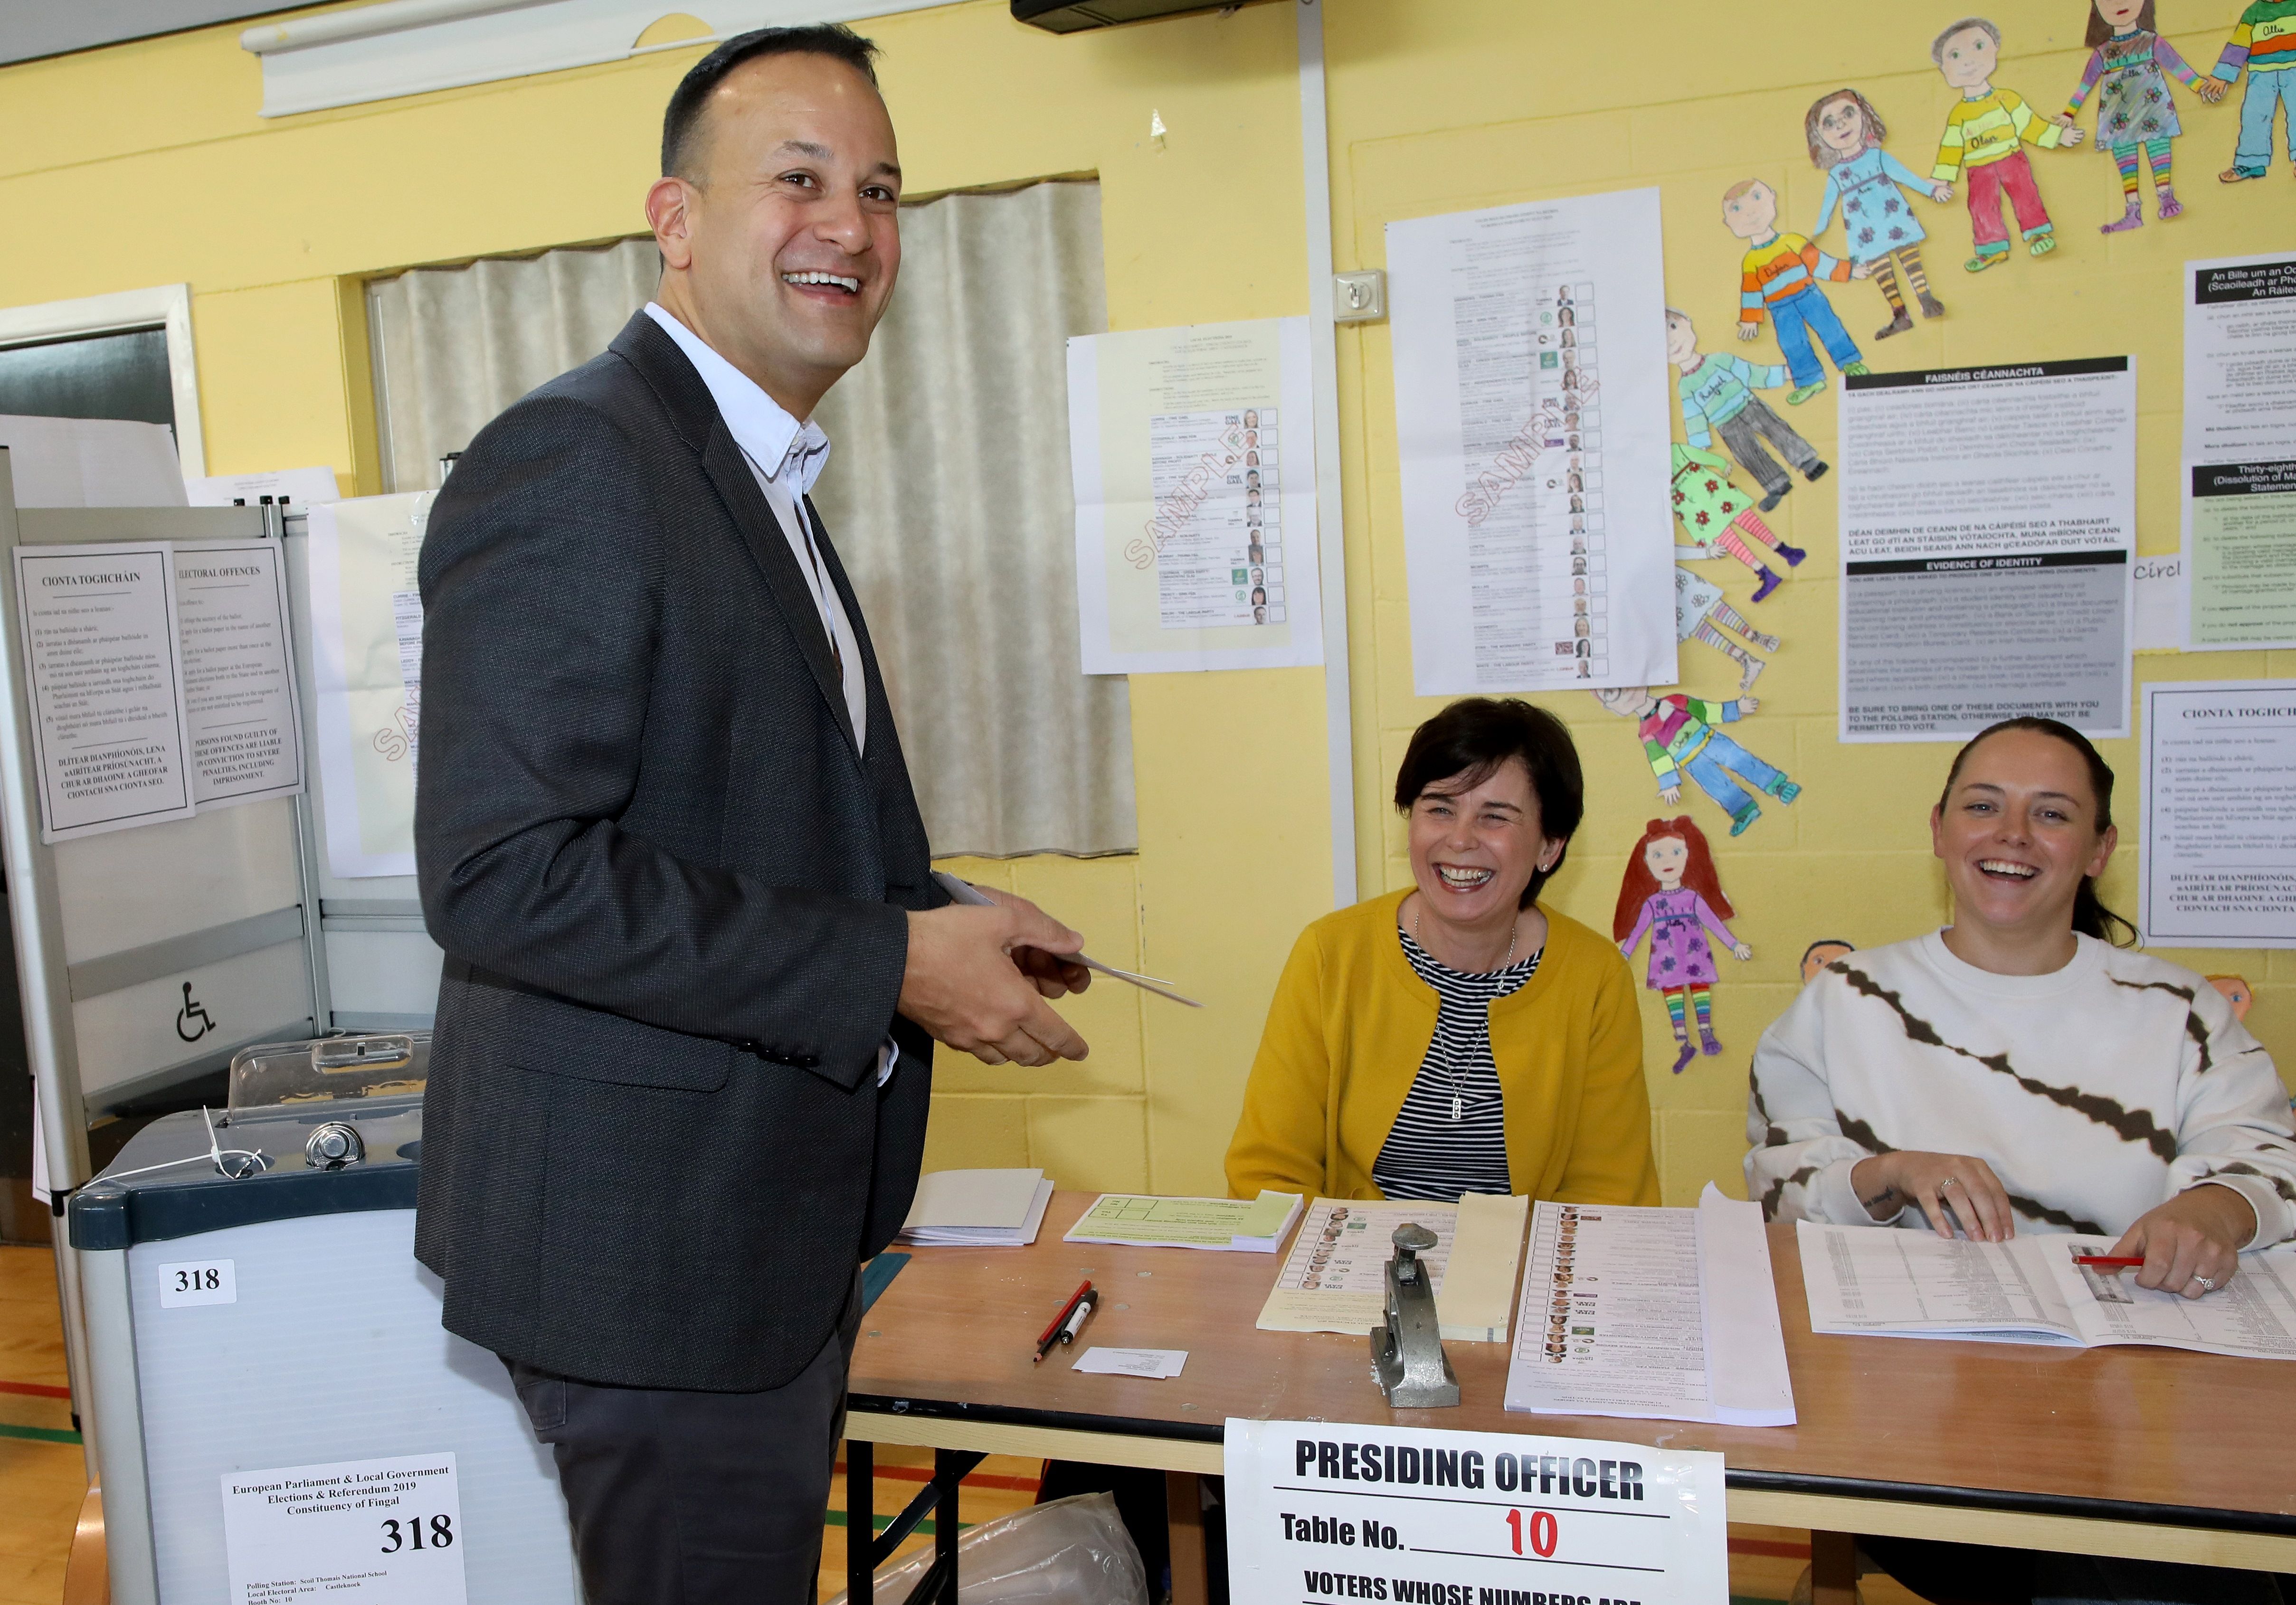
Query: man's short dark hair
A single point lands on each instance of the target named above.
(1472, 737)
(682, 122)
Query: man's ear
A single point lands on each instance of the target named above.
(669, 206)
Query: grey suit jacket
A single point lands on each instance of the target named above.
(671, 892)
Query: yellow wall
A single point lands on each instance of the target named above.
(146, 164)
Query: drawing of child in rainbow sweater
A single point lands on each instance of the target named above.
(1780, 276)
(1983, 135)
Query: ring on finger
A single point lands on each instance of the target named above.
(1951, 1181)
(2208, 1283)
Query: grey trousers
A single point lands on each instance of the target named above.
(682, 1498)
(1743, 434)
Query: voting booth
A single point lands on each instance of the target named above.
(261, 1335)
(165, 918)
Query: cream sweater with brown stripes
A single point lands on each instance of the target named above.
(2095, 1093)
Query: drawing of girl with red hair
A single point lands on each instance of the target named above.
(1672, 891)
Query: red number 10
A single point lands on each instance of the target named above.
(1542, 1532)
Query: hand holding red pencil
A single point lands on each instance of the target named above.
(2190, 1245)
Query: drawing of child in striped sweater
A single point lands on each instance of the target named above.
(2128, 66)
(1984, 136)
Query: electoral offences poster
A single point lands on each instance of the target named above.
(2239, 489)
(1193, 455)
(1989, 528)
(2219, 786)
(1531, 415)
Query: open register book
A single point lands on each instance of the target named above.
(1664, 1315)
(1334, 1280)
(1899, 1283)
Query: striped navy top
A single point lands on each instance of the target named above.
(1450, 1135)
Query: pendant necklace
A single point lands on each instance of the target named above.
(1514, 933)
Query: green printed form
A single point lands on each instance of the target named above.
(2244, 554)
(1187, 1223)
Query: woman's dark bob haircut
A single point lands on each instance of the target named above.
(1460, 748)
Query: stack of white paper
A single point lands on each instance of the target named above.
(1667, 1315)
(977, 1208)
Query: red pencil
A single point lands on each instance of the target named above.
(1061, 1319)
(2108, 1261)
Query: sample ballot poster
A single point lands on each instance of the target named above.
(1320, 1510)
(1193, 454)
(366, 665)
(110, 731)
(2219, 865)
(376, 1532)
(2240, 452)
(246, 723)
(1531, 413)
(1989, 533)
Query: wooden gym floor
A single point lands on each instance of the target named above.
(43, 1478)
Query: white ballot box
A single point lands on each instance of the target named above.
(278, 1409)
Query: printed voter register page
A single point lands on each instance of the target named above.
(1899, 1284)
(1320, 1510)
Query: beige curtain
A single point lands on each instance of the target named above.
(454, 345)
(948, 490)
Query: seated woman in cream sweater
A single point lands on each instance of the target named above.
(2015, 1070)
(1457, 1037)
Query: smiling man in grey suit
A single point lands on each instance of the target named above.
(695, 959)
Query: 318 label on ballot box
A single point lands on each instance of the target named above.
(377, 1532)
(1322, 1510)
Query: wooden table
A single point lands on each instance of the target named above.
(2135, 1452)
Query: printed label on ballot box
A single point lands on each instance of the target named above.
(1346, 1512)
(380, 1532)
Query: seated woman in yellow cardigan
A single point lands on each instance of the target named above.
(1457, 1037)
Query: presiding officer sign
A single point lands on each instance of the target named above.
(1346, 1512)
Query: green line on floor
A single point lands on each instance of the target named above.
(40, 1435)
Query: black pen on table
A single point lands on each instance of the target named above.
(1079, 1316)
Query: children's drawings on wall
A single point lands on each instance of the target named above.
(1984, 140)
(1672, 893)
(2263, 45)
(1717, 391)
(1820, 953)
(1869, 186)
(2129, 67)
(1679, 736)
(1718, 519)
(1780, 275)
(1701, 615)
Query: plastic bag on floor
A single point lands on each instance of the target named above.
(1074, 1550)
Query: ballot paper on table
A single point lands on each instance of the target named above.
(1155, 1362)
(1662, 1315)
(1885, 1284)
(1334, 1280)
(964, 891)
(1243, 1226)
(976, 1209)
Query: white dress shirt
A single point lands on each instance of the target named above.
(766, 434)
(796, 453)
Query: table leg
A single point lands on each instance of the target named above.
(860, 1520)
(1833, 1568)
(1184, 1518)
(948, 1475)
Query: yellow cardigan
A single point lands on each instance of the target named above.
(1351, 1022)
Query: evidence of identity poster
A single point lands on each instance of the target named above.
(1988, 531)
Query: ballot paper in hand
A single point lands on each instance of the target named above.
(965, 892)
(1242, 1226)
(977, 1208)
(1665, 1315)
